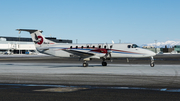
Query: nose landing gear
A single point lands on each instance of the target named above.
(152, 62)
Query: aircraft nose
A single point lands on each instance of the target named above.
(152, 53)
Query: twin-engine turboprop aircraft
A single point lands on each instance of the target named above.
(88, 51)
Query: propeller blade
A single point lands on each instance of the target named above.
(110, 57)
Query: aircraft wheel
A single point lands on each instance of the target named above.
(104, 63)
(152, 64)
(85, 64)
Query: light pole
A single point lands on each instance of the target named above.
(76, 41)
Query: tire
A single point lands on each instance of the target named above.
(104, 63)
(152, 64)
(85, 64)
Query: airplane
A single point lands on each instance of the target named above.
(87, 51)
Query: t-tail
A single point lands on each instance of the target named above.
(37, 37)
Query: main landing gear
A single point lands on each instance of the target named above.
(152, 62)
(104, 63)
(85, 64)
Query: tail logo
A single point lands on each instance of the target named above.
(40, 40)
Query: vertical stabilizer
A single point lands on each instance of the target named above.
(37, 37)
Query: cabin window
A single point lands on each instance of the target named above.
(93, 47)
(71, 47)
(99, 46)
(129, 46)
(87, 46)
(76, 47)
(105, 47)
(82, 47)
(111, 46)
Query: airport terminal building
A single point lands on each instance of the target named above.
(20, 45)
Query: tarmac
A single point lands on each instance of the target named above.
(51, 78)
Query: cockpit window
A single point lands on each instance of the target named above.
(134, 46)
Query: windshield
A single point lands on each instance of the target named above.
(134, 46)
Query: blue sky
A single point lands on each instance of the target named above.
(94, 21)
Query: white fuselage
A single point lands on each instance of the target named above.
(99, 50)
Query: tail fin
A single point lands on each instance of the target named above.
(37, 37)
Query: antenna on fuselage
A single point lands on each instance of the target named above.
(112, 42)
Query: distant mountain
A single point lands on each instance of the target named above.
(163, 44)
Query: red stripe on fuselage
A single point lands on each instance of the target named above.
(100, 50)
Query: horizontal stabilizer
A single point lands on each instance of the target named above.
(29, 30)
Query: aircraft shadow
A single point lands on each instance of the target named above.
(64, 65)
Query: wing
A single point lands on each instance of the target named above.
(80, 53)
(42, 49)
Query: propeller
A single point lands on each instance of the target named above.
(109, 51)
